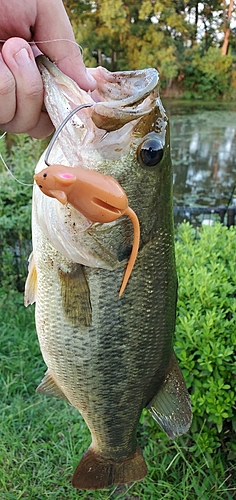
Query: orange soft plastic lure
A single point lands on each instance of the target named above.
(98, 197)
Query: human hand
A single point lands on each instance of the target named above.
(21, 86)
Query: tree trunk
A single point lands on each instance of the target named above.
(224, 48)
(99, 57)
(113, 60)
(227, 18)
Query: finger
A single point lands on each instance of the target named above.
(7, 93)
(44, 127)
(65, 54)
(25, 112)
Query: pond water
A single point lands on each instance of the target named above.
(203, 146)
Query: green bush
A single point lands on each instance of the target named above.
(208, 74)
(15, 207)
(205, 331)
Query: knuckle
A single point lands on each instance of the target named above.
(34, 92)
(7, 93)
(7, 85)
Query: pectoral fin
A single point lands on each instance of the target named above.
(171, 406)
(49, 387)
(31, 283)
(75, 295)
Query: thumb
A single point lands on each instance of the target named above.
(52, 23)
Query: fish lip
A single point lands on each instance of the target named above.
(150, 75)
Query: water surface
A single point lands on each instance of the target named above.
(203, 145)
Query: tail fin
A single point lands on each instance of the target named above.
(95, 472)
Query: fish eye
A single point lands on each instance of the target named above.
(151, 151)
(45, 175)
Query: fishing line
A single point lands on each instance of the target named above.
(53, 40)
(10, 172)
(8, 169)
(56, 134)
(51, 144)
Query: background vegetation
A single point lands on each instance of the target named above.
(42, 440)
(191, 43)
(20, 153)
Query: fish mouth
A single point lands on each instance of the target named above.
(120, 99)
(114, 89)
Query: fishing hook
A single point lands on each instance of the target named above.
(57, 132)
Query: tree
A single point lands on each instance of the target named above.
(227, 16)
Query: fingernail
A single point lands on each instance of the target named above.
(22, 57)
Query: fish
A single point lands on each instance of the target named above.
(99, 197)
(109, 356)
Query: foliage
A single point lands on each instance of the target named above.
(208, 74)
(205, 332)
(15, 207)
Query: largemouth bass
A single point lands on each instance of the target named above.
(109, 356)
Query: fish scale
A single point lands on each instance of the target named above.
(100, 347)
(109, 356)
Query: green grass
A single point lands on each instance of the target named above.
(42, 439)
